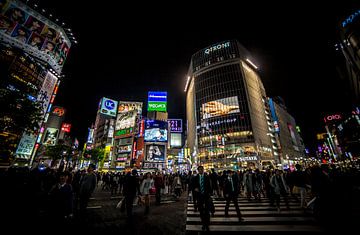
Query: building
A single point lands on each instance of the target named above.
(33, 50)
(128, 145)
(349, 45)
(103, 135)
(225, 108)
(286, 134)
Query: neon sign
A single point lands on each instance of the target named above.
(217, 47)
(332, 117)
(350, 18)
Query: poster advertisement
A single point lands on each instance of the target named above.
(155, 153)
(50, 136)
(26, 144)
(220, 107)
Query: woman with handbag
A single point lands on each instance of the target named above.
(145, 187)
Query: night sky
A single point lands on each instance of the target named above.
(125, 51)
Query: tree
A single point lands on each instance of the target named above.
(19, 113)
(57, 152)
(96, 154)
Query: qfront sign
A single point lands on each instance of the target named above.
(109, 107)
(217, 47)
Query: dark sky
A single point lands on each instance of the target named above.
(126, 50)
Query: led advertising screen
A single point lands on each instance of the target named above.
(155, 153)
(175, 125)
(155, 131)
(157, 101)
(50, 136)
(34, 33)
(108, 107)
(220, 107)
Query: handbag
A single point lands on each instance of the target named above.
(152, 190)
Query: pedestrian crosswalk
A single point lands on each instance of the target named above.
(258, 216)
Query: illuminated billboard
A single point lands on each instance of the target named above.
(25, 28)
(127, 116)
(156, 131)
(155, 153)
(220, 107)
(46, 91)
(108, 107)
(26, 145)
(90, 138)
(157, 101)
(175, 125)
(50, 136)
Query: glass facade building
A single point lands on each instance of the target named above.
(227, 127)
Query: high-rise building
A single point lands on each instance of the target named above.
(226, 109)
(286, 134)
(33, 50)
(349, 45)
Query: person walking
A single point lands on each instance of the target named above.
(203, 190)
(277, 181)
(145, 187)
(87, 187)
(131, 187)
(231, 192)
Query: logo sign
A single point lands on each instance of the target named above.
(58, 111)
(109, 107)
(333, 117)
(66, 127)
(157, 101)
(217, 47)
(175, 125)
(350, 18)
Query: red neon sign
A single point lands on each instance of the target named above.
(134, 151)
(66, 127)
(332, 117)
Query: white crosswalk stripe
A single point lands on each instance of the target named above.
(258, 216)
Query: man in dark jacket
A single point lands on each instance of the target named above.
(131, 187)
(231, 192)
(203, 190)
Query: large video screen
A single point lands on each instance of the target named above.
(156, 131)
(220, 107)
(155, 153)
(156, 135)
